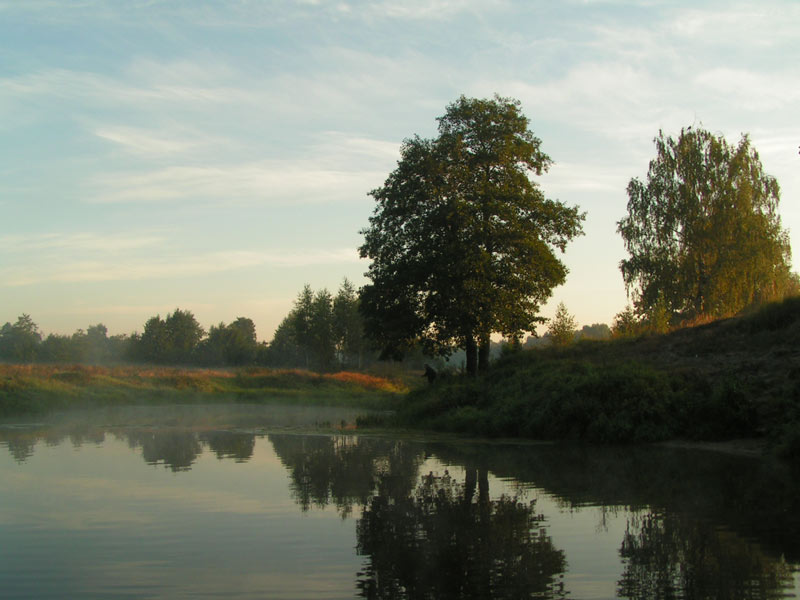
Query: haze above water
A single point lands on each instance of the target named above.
(195, 502)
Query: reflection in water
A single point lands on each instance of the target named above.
(175, 449)
(230, 444)
(674, 556)
(699, 525)
(442, 542)
(344, 470)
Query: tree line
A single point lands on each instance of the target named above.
(321, 332)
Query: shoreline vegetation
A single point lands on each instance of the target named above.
(731, 379)
(32, 389)
(725, 380)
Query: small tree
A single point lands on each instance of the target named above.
(626, 323)
(562, 327)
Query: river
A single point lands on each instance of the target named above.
(256, 502)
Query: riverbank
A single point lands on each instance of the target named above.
(730, 379)
(35, 389)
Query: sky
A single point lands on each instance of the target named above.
(216, 156)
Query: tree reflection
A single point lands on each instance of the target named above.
(176, 450)
(672, 556)
(441, 542)
(343, 470)
(230, 444)
(20, 446)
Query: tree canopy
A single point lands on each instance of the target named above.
(703, 231)
(462, 241)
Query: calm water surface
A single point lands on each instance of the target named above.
(194, 503)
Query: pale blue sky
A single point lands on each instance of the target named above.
(216, 156)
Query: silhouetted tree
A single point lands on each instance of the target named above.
(462, 241)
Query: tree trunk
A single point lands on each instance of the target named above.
(483, 353)
(472, 356)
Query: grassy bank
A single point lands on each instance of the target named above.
(729, 379)
(30, 389)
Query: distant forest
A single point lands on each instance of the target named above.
(322, 332)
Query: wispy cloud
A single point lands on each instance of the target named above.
(752, 90)
(759, 24)
(431, 9)
(264, 182)
(75, 269)
(148, 143)
(94, 242)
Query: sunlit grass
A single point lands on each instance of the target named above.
(32, 388)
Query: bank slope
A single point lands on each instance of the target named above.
(729, 379)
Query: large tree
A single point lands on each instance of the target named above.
(703, 231)
(462, 241)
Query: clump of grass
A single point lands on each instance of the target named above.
(369, 382)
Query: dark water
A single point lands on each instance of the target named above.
(189, 503)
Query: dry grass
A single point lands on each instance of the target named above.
(26, 387)
(368, 381)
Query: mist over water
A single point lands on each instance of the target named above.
(253, 502)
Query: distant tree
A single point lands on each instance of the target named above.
(626, 323)
(119, 347)
(234, 344)
(703, 231)
(284, 350)
(242, 345)
(305, 337)
(321, 332)
(57, 348)
(562, 327)
(20, 342)
(300, 323)
(596, 331)
(172, 340)
(462, 241)
(97, 344)
(348, 326)
(153, 345)
(321, 336)
(184, 333)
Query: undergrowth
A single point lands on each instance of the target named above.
(727, 379)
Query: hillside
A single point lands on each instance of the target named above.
(733, 378)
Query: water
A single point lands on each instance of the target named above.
(199, 503)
